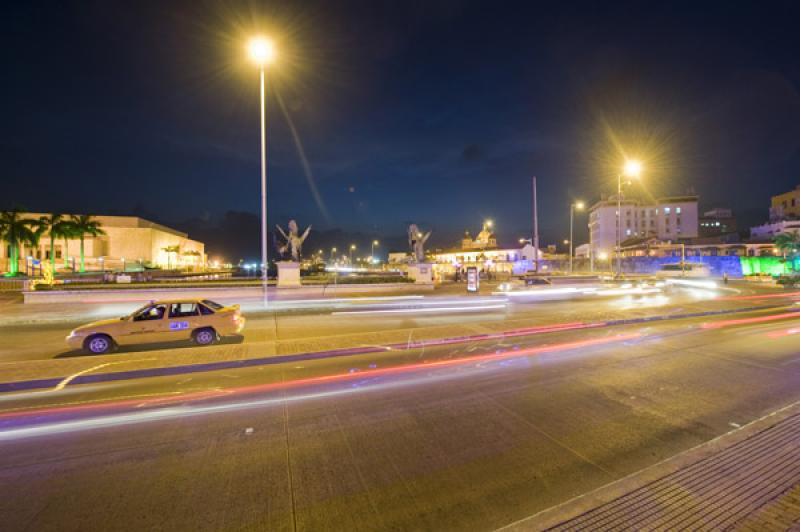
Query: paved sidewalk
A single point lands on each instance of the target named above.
(748, 479)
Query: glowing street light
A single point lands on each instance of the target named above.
(577, 205)
(632, 169)
(262, 52)
(352, 248)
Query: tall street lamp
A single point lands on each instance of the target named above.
(372, 250)
(352, 248)
(577, 205)
(631, 169)
(262, 52)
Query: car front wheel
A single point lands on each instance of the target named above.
(99, 344)
(205, 336)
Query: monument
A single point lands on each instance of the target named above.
(419, 270)
(289, 270)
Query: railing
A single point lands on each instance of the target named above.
(11, 284)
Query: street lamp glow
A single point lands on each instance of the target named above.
(261, 50)
(579, 205)
(489, 223)
(375, 242)
(633, 168)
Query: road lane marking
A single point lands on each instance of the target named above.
(417, 310)
(61, 385)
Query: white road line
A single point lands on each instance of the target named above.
(417, 310)
(61, 385)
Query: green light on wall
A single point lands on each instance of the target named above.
(766, 265)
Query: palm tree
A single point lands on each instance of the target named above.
(67, 232)
(170, 250)
(56, 225)
(18, 231)
(789, 244)
(83, 225)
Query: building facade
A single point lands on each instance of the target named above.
(716, 222)
(667, 219)
(785, 206)
(771, 230)
(129, 243)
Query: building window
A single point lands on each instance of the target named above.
(677, 210)
(666, 210)
(678, 221)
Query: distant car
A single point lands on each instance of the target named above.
(201, 320)
(686, 269)
(532, 280)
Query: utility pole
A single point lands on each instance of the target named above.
(535, 229)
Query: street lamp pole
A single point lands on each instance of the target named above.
(264, 263)
(262, 52)
(535, 236)
(619, 225)
(631, 169)
(372, 250)
(571, 236)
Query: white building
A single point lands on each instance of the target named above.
(770, 230)
(668, 219)
(128, 242)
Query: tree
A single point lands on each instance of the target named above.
(170, 250)
(67, 232)
(788, 244)
(56, 225)
(18, 231)
(83, 225)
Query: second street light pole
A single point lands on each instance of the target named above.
(571, 216)
(264, 263)
(535, 230)
(572, 206)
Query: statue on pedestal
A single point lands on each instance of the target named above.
(416, 240)
(293, 241)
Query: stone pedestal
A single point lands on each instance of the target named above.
(422, 273)
(288, 274)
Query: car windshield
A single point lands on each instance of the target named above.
(212, 304)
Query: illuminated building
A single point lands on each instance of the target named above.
(785, 206)
(668, 219)
(129, 242)
(717, 222)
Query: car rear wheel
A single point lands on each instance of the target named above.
(205, 336)
(99, 344)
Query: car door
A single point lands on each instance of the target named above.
(183, 318)
(147, 325)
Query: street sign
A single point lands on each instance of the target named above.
(473, 279)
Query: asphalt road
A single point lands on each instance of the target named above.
(37, 332)
(466, 437)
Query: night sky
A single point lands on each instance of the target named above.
(433, 112)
